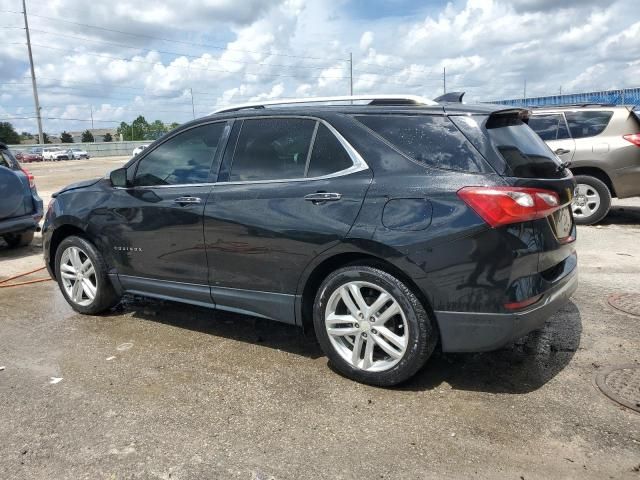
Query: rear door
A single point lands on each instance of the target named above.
(15, 194)
(552, 128)
(288, 190)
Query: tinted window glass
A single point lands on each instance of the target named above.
(4, 161)
(271, 149)
(328, 155)
(549, 127)
(431, 140)
(185, 158)
(524, 152)
(587, 123)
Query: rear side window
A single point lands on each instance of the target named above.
(587, 123)
(549, 127)
(431, 140)
(328, 155)
(183, 159)
(524, 152)
(271, 149)
(4, 161)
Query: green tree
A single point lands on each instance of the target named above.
(107, 137)
(65, 137)
(174, 125)
(87, 137)
(135, 131)
(155, 130)
(8, 134)
(45, 138)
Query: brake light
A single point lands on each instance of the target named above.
(523, 304)
(32, 179)
(504, 205)
(633, 138)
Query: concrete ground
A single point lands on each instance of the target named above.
(159, 390)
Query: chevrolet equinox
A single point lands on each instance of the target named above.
(387, 225)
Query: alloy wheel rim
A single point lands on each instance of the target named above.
(366, 326)
(78, 276)
(586, 201)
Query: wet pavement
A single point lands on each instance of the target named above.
(161, 390)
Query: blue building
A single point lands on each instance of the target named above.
(626, 96)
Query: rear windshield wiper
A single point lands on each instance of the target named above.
(563, 166)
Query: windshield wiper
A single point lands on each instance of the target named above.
(563, 166)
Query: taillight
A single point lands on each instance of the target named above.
(504, 205)
(32, 179)
(633, 138)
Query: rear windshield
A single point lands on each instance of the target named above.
(511, 147)
(587, 123)
(431, 140)
(524, 152)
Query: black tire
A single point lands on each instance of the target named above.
(15, 240)
(105, 297)
(605, 200)
(422, 333)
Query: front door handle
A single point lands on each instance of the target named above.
(321, 197)
(561, 151)
(187, 200)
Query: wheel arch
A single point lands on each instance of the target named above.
(59, 234)
(598, 173)
(320, 271)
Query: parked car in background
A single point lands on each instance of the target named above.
(77, 153)
(55, 154)
(387, 227)
(602, 145)
(29, 156)
(20, 205)
(139, 150)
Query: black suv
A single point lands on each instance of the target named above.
(387, 227)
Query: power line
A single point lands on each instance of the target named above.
(258, 74)
(184, 42)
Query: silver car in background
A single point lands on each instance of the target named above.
(602, 145)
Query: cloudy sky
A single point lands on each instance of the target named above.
(122, 58)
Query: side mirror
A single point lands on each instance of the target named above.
(118, 178)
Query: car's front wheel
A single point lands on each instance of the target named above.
(82, 276)
(371, 326)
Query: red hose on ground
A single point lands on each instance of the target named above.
(23, 275)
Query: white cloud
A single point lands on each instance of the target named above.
(232, 52)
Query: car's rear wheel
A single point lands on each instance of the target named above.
(592, 200)
(371, 326)
(82, 276)
(19, 239)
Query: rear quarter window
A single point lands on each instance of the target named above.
(587, 123)
(428, 139)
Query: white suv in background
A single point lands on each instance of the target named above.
(55, 153)
(139, 149)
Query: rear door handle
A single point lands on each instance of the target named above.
(187, 200)
(561, 151)
(321, 197)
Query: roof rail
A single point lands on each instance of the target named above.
(581, 105)
(373, 99)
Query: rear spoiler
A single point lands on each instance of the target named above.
(508, 117)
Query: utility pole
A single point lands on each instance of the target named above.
(524, 93)
(92, 117)
(193, 108)
(33, 74)
(444, 80)
(351, 74)
(560, 89)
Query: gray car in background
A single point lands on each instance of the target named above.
(602, 145)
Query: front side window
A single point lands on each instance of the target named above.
(549, 127)
(183, 159)
(271, 149)
(431, 140)
(587, 123)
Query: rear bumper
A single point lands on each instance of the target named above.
(19, 224)
(626, 181)
(480, 332)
